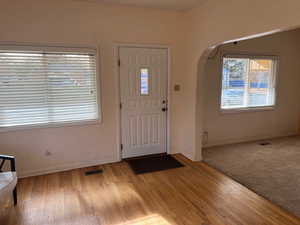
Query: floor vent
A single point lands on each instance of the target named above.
(91, 172)
(265, 143)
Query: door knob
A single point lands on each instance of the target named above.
(164, 109)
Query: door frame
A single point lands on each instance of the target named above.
(116, 56)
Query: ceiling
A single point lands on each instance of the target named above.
(179, 5)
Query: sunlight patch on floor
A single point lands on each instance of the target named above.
(148, 220)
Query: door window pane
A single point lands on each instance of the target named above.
(144, 77)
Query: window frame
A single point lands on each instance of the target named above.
(274, 57)
(60, 49)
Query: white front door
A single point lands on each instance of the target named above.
(143, 88)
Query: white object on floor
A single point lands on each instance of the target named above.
(8, 182)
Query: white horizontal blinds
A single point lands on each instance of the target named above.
(248, 82)
(72, 91)
(23, 89)
(47, 87)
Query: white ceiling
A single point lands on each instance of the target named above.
(179, 5)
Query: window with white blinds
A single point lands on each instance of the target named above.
(47, 87)
(248, 82)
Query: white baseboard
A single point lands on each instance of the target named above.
(65, 167)
(247, 139)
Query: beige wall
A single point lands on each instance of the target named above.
(226, 128)
(88, 23)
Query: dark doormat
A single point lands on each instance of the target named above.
(153, 163)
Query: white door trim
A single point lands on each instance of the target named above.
(116, 57)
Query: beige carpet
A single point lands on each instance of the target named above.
(272, 171)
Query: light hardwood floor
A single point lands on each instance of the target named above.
(193, 195)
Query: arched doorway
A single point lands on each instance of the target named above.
(201, 77)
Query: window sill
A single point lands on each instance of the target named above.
(247, 110)
(50, 125)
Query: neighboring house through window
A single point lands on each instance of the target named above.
(248, 82)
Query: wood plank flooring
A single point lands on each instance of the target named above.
(193, 195)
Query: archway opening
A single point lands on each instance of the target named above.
(248, 102)
(213, 54)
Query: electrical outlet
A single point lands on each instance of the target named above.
(176, 87)
(205, 137)
(48, 153)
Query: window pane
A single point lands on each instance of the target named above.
(233, 82)
(72, 90)
(23, 92)
(144, 74)
(248, 82)
(260, 77)
(44, 88)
